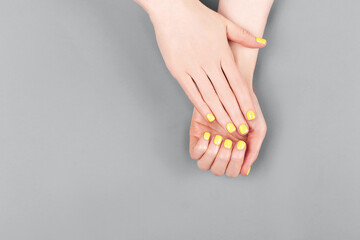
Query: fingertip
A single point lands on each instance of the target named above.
(230, 127)
(241, 145)
(250, 115)
(228, 143)
(201, 146)
(218, 139)
(210, 117)
(216, 172)
(245, 170)
(243, 129)
(232, 174)
(207, 136)
(262, 41)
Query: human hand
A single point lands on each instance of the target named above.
(239, 157)
(193, 41)
(216, 149)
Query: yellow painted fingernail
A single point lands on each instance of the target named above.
(218, 139)
(261, 40)
(243, 129)
(241, 145)
(228, 143)
(207, 135)
(230, 127)
(250, 115)
(248, 171)
(210, 117)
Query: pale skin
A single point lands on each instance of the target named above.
(233, 161)
(211, 57)
(193, 41)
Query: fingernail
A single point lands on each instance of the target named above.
(210, 117)
(228, 143)
(243, 129)
(261, 40)
(250, 115)
(241, 145)
(248, 171)
(218, 139)
(230, 127)
(207, 135)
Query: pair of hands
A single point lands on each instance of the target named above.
(194, 43)
(222, 152)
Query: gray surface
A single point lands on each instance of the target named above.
(94, 130)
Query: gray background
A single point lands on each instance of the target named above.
(94, 130)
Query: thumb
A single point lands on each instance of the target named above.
(240, 35)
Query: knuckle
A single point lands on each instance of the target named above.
(263, 129)
(232, 174)
(232, 108)
(192, 155)
(198, 102)
(222, 158)
(200, 148)
(237, 160)
(197, 152)
(203, 166)
(244, 32)
(212, 152)
(217, 172)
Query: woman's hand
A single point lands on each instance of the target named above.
(222, 152)
(194, 43)
(215, 148)
(240, 156)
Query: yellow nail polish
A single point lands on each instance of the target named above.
(250, 115)
(241, 145)
(261, 40)
(218, 139)
(210, 117)
(228, 143)
(243, 129)
(207, 135)
(248, 171)
(230, 127)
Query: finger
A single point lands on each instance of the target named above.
(198, 149)
(236, 160)
(228, 99)
(208, 158)
(254, 142)
(222, 158)
(191, 90)
(212, 99)
(239, 87)
(240, 35)
(255, 139)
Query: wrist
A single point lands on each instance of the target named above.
(156, 8)
(249, 14)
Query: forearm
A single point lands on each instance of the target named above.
(156, 7)
(251, 15)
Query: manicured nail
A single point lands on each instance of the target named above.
(250, 115)
(207, 135)
(241, 145)
(261, 40)
(243, 129)
(228, 143)
(218, 139)
(248, 171)
(210, 117)
(230, 127)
